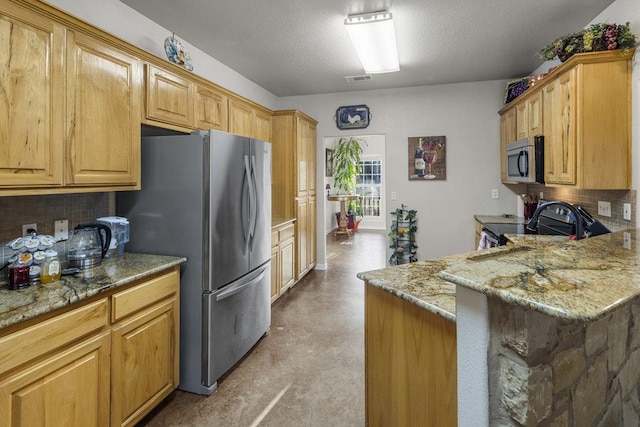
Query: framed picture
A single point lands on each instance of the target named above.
(353, 117)
(328, 165)
(427, 158)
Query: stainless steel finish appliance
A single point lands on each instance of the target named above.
(207, 196)
(88, 245)
(525, 160)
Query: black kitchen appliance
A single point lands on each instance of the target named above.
(557, 220)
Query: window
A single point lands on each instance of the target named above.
(369, 186)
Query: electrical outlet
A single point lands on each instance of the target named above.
(626, 211)
(626, 240)
(495, 193)
(61, 230)
(541, 195)
(604, 208)
(393, 195)
(25, 227)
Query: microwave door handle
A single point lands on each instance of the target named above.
(523, 163)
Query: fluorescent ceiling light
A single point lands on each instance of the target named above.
(374, 38)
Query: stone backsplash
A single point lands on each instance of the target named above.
(548, 372)
(588, 199)
(44, 210)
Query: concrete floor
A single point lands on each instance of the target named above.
(309, 369)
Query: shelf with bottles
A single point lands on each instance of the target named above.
(403, 236)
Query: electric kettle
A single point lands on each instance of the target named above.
(88, 245)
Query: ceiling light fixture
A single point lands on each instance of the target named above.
(374, 38)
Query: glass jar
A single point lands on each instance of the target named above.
(50, 271)
(18, 276)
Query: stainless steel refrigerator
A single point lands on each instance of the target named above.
(207, 196)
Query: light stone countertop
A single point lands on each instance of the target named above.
(279, 222)
(500, 219)
(572, 280)
(418, 283)
(20, 305)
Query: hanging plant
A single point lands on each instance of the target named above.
(403, 236)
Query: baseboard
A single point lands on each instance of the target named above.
(320, 267)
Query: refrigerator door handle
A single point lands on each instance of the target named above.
(253, 202)
(246, 221)
(234, 289)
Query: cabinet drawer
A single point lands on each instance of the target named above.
(274, 238)
(126, 302)
(34, 341)
(287, 232)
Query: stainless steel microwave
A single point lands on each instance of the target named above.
(525, 160)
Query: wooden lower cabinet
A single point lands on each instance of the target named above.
(410, 363)
(282, 259)
(145, 347)
(66, 388)
(84, 368)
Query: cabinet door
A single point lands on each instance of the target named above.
(287, 264)
(522, 120)
(67, 388)
(32, 101)
(302, 156)
(210, 109)
(559, 129)
(311, 233)
(534, 114)
(275, 273)
(507, 134)
(310, 142)
(302, 215)
(263, 126)
(169, 97)
(103, 101)
(145, 368)
(241, 117)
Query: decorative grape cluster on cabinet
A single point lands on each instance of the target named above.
(583, 109)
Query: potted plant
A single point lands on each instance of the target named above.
(346, 167)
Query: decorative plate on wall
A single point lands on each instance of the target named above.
(352, 117)
(177, 53)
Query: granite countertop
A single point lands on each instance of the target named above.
(419, 284)
(20, 305)
(500, 219)
(572, 280)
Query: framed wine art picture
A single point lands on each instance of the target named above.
(427, 158)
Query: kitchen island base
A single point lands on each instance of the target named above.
(410, 363)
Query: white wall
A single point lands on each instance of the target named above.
(467, 115)
(126, 23)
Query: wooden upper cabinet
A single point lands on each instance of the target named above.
(534, 114)
(507, 134)
(583, 110)
(32, 88)
(560, 131)
(211, 109)
(247, 120)
(104, 91)
(241, 117)
(169, 97)
(263, 126)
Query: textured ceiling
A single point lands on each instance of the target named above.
(300, 47)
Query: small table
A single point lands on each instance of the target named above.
(342, 223)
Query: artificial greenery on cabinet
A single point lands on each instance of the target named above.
(403, 236)
(346, 167)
